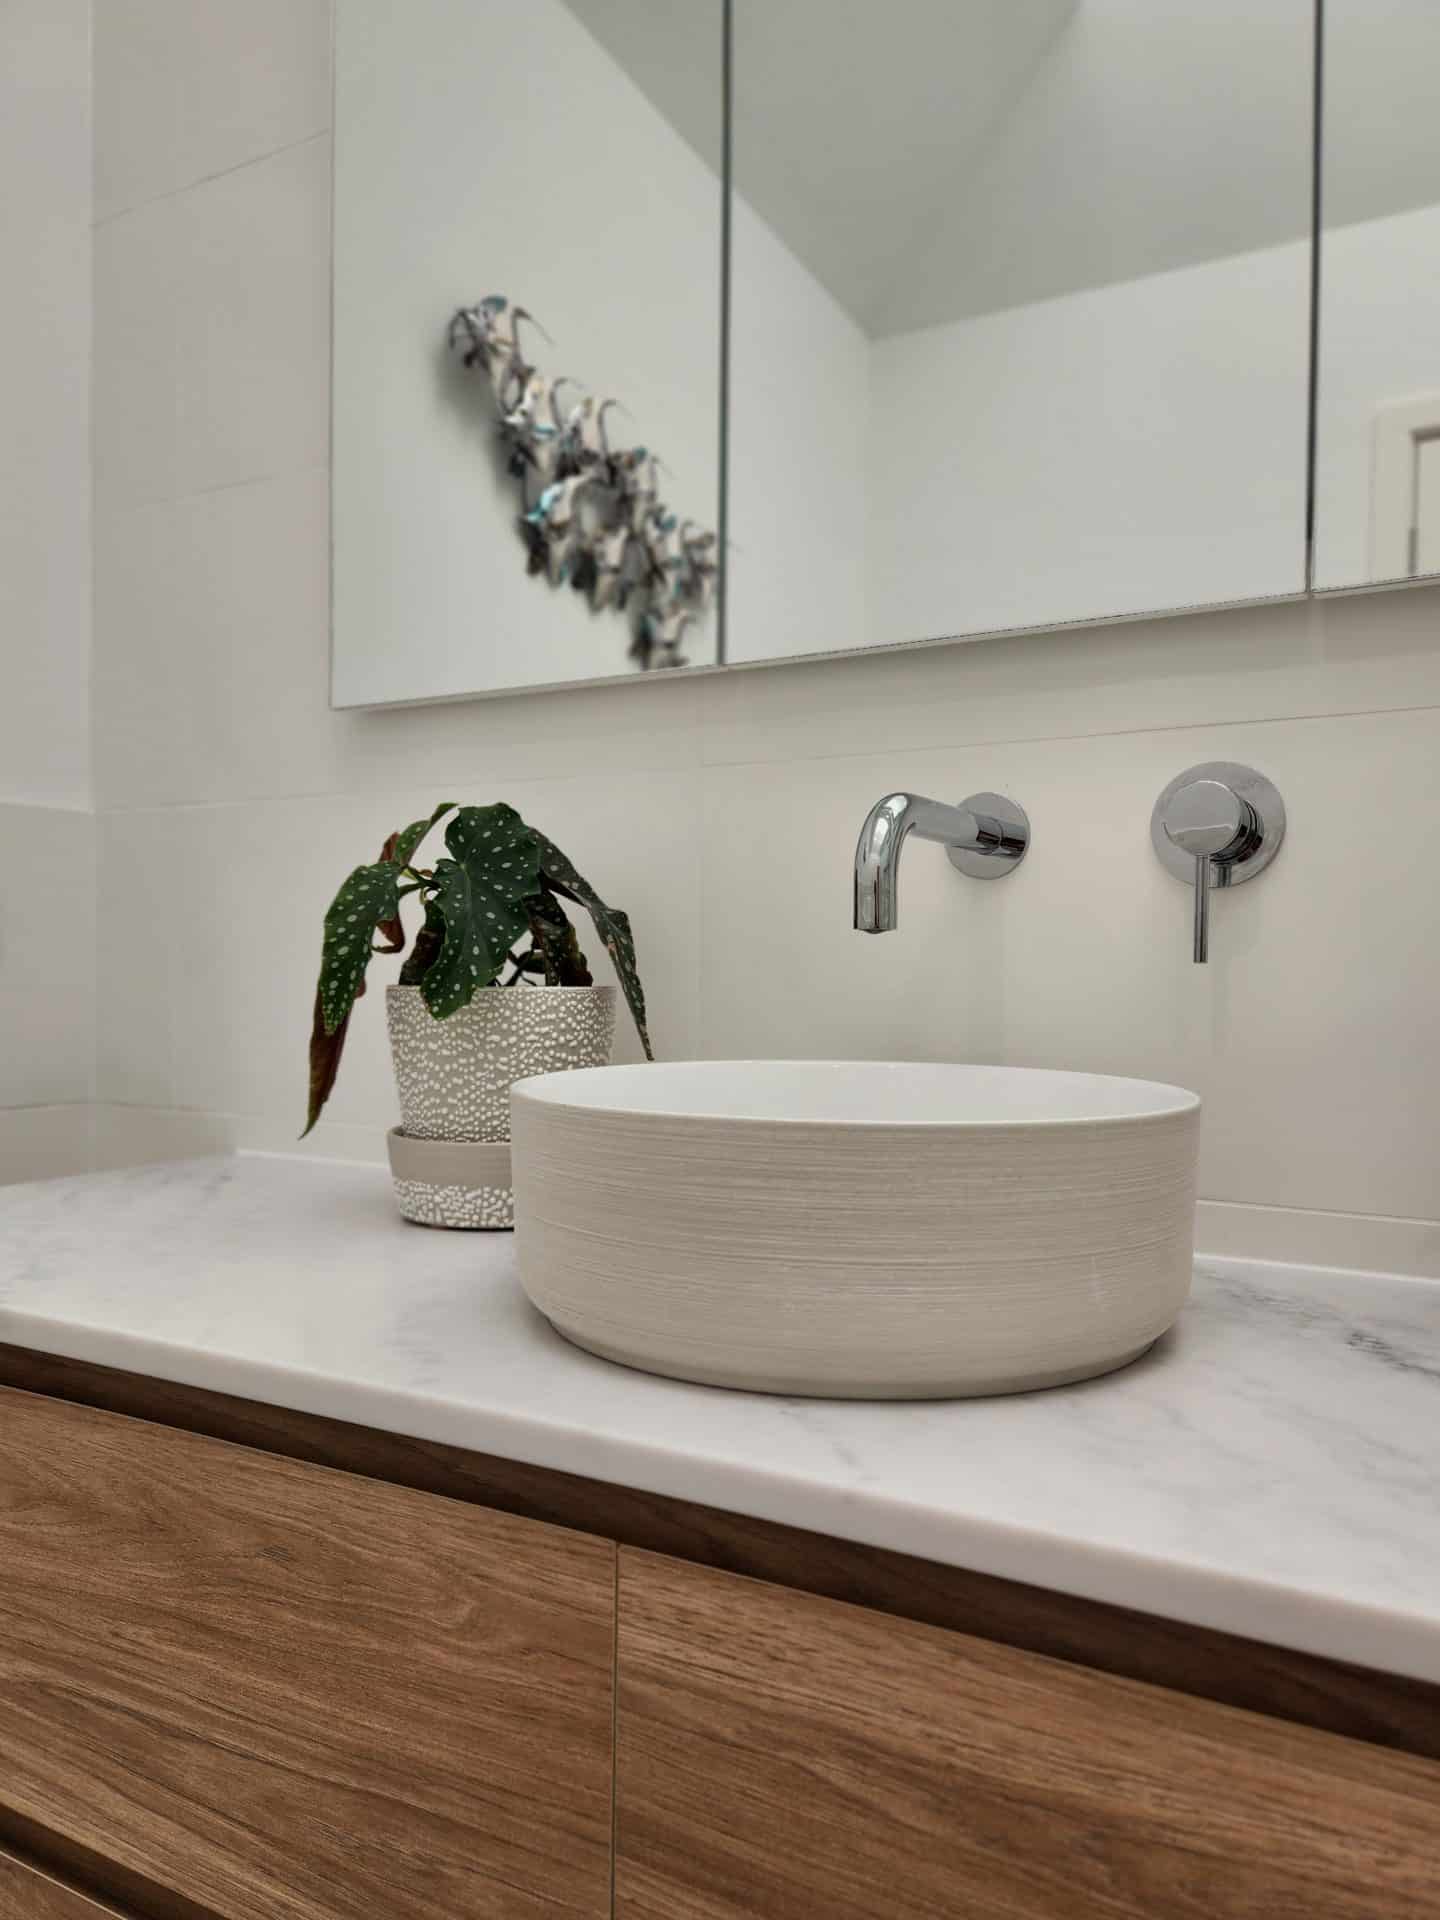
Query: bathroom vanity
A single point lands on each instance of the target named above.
(334, 1583)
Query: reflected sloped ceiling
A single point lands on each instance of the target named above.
(932, 159)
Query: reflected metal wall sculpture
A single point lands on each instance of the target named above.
(591, 514)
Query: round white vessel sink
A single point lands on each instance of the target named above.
(856, 1229)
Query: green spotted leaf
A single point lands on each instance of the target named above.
(480, 901)
(611, 924)
(401, 847)
(325, 1051)
(500, 882)
(496, 841)
(463, 962)
(365, 901)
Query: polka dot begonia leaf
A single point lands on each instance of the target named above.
(611, 924)
(480, 897)
(367, 898)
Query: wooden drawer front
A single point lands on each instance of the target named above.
(286, 1693)
(781, 1755)
(28, 1895)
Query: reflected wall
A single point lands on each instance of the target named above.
(1377, 472)
(1054, 354)
(486, 151)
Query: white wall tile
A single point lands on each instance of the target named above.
(44, 1143)
(1317, 1238)
(782, 973)
(44, 401)
(138, 273)
(128, 1136)
(1312, 1035)
(135, 103)
(253, 323)
(1332, 656)
(136, 1136)
(211, 674)
(141, 888)
(593, 731)
(47, 956)
(212, 333)
(210, 669)
(184, 91)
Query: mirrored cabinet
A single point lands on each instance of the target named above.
(1377, 414)
(1036, 276)
(745, 330)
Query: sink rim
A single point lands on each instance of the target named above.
(1136, 1100)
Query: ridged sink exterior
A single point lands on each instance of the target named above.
(857, 1230)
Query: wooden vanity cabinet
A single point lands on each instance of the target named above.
(263, 1690)
(240, 1685)
(27, 1894)
(781, 1756)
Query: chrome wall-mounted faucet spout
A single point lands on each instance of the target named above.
(985, 836)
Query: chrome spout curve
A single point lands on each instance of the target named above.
(985, 836)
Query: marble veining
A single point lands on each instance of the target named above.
(1271, 1467)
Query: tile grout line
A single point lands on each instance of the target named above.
(275, 476)
(206, 179)
(1318, 1213)
(49, 1106)
(783, 758)
(80, 810)
(981, 742)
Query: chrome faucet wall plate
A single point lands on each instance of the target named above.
(1214, 826)
(1002, 853)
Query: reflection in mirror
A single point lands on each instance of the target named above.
(1377, 474)
(1020, 313)
(527, 345)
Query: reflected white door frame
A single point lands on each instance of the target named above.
(1405, 490)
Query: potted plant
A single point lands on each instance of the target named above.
(494, 987)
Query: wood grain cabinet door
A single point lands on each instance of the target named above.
(278, 1692)
(782, 1757)
(26, 1894)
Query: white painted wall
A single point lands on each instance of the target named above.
(723, 812)
(47, 833)
(1124, 450)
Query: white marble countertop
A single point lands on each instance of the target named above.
(1272, 1468)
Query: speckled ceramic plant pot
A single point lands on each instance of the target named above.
(454, 1077)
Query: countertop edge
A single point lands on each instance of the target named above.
(1393, 1643)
